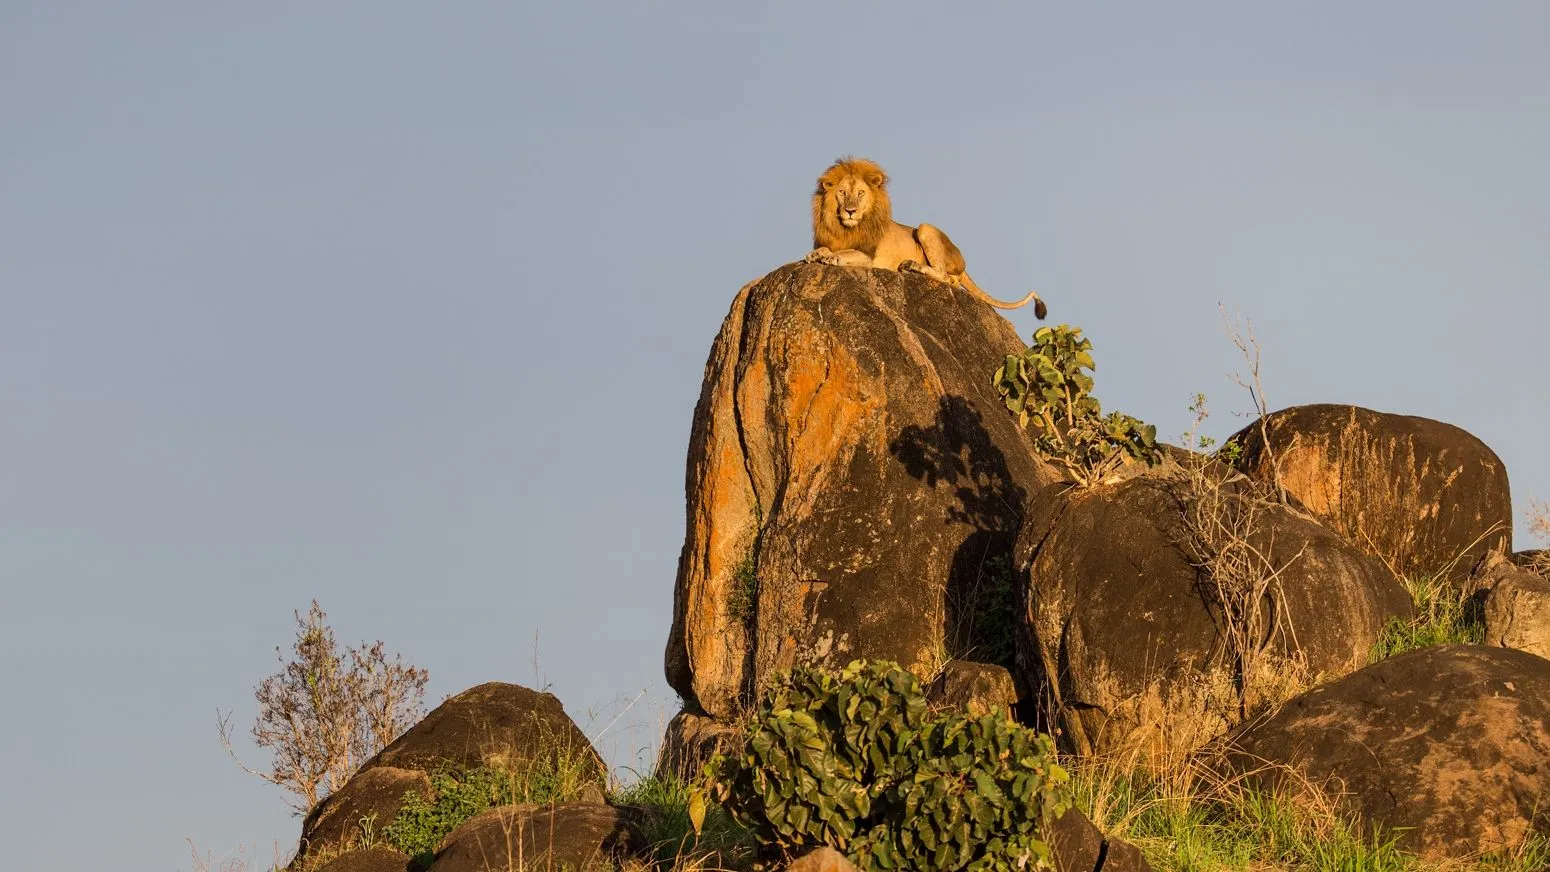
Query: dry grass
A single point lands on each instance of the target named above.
(1187, 815)
(1226, 524)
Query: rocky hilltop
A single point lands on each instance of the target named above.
(857, 489)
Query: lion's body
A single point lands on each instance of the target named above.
(853, 226)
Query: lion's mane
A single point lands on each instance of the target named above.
(828, 232)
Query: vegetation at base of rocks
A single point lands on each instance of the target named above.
(1444, 615)
(854, 760)
(1186, 818)
(673, 839)
(328, 711)
(457, 795)
(1046, 386)
(1224, 522)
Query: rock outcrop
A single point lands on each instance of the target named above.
(494, 724)
(564, 836)
(1450, 743)
(851, 476)
(1078, 846)
(377, 859)
(689, 742)
(976, 688)
(1516, 605)
(373, 795)
(1125, 630)
(1423, 496)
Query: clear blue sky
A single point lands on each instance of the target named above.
(405, 307)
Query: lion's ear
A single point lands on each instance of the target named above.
(877, 180)
(826, 184)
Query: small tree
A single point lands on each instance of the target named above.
(326, 712)
(1048, 387)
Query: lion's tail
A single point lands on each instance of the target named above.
(1039, 309)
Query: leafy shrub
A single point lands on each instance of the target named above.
(422, 822)
(1047, 386)
(855, 761)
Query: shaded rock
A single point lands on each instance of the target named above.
(1452, 742)
(1078, 846)
(378, 859)
(689, 743)
(1423, 496)
(977, 688)
(851, 473)
(374, 795)
(578, 836)
(1126, 634)
(1516, 607)
(494, 724)
(822, 860)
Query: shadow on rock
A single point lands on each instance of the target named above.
(957, 453)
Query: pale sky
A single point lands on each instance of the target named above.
(405, 307)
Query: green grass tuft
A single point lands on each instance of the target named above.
(666, 828)
(1443, 616)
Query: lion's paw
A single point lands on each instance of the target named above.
(819, 255)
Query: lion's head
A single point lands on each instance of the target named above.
(851, 208)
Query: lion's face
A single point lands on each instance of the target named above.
(851, 198)
(850, 206)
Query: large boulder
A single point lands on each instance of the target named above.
(371, 799)
(1516, 608)
(1424, 496)
(975, 688)
(1078, 846)
(493, 724)
(1451, 744)
(375, 859)
(576, 835)
(851, 476)
(1127, 632)
(690, 741)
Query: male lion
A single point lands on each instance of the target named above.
(853, 226)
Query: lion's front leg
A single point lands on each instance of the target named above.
(847, 257)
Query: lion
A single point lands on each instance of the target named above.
(853, 226)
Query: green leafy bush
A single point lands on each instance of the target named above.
(854, 760)
(560, 774)
(422, 822)
(1047, 386)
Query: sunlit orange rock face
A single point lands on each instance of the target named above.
(851, 474)
(1423, 496)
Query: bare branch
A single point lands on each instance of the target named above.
(327, 712)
